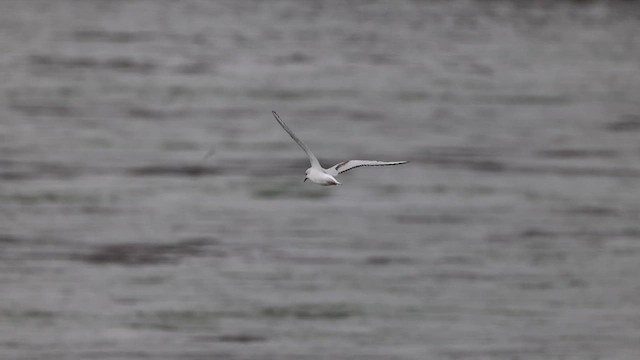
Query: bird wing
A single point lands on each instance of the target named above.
(352, 164)
(312, 158)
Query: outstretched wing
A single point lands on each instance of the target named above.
(312, 158)
(352, 164)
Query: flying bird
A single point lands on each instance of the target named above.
(319, 175)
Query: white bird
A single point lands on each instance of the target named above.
(326, 177)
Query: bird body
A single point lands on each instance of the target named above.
(319, 175)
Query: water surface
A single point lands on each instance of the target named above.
(513, 234)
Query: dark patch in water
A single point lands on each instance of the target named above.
(174, 170)
(241, 338)
(133, 254)
(535, 285)
(91, 63)
(631, 232)
(495, 166)
(111, 36)
(414, 95)
(546, 257)
(25, 171)
(626, 123)
(154, 114)
(592, 211)
(459, 260)
(126, 64)
(386, 260)
(177, 145)
(50, 109)
(362, 115)
(487, 160)
(310, 260)
(373, 58)
(292, 193)
(578, 153)
(173, 320)
(293, 58)
(35, 100)
(310, 311)
(193, 68)
(537, 233)
(515, 352)
(43, 317)
(14, 175)
(9, 239)
(476, 159)
(66, 62)
(463, 276)
(577, 171)
(537, 100)
(430, 219)
(487, 166)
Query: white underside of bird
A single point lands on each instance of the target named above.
(319, 175)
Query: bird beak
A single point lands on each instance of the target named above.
(305, 179)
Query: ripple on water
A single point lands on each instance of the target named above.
(136, 254)
(308, 311)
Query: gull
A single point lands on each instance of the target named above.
(319, 175)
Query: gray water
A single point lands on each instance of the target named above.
(514, 233)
